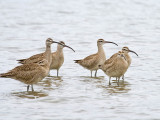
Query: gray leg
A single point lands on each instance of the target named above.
(57, 72)
(32, 88)
(49, 74)
(27, 88)
(96, 73)
(109, 80)
(91, 73)
(118, 81)
(123, 77)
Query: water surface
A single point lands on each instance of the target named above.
(26, 24)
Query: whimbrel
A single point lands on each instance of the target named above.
(30, 73)
(58, 57)
(38, 57)
(125, 50)
(117, 67)
(91, 62)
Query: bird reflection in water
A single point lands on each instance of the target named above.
(49, 83)
(114, 87)
(30, 94)
(88, 79)
(121, 87)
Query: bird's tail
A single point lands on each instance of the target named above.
(9, 74)
(77, 61)
(21, 61)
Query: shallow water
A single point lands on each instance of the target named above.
(26, 24)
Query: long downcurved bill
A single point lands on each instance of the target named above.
(57, 42)
(111, 42)
(133, 52)
(69, 47)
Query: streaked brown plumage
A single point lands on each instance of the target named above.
(58, 57)
(125, 50)
(91, 62)
(30, 73)
(38, 57)
(117, 67)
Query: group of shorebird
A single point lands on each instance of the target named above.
(37, 67)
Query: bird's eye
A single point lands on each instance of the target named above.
(40, 62)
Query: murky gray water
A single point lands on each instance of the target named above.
(26, 24)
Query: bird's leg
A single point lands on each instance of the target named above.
(57, 72)
(118, 80)
(32, 88)
(123, 77)
(109, 80)
(27, 88)
(96, 73)
(49, 74)
(91, 73)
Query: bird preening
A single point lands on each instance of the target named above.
(37, 67)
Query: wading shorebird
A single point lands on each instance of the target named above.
(91, 62)
(58, 57)
(38, 57)
(125, 50)
(29, 73)
(116, 68)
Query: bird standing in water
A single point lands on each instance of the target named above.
(30, 73)
(125, 51)
(58, 57)
(115, 68)
(38, 57)
(91, 62)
